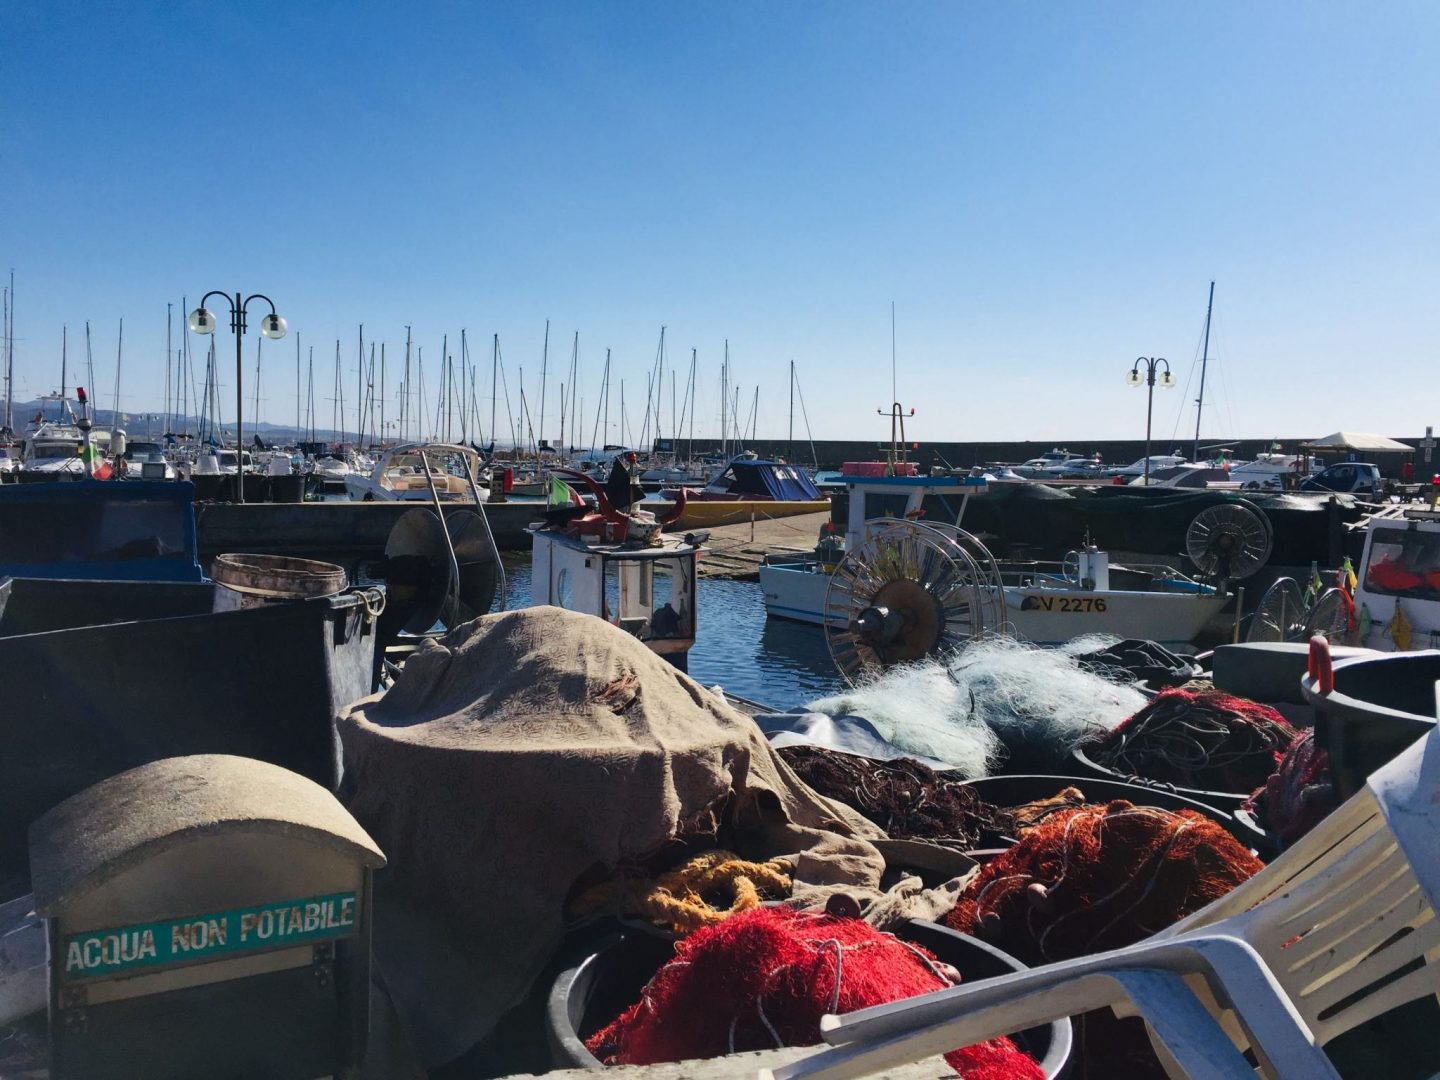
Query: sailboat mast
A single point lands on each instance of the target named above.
(790, 440)
(310, 395)
(690, 452)
(167, 368)
(574, 394)
(1204, 362)
(297, 386)
(408, 392)
(256, 410)
(544, 367)
(494, 367)
(725, 402)
(10, 356)
(360, 389)
(119, 348)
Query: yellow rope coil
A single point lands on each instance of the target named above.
(681, 899)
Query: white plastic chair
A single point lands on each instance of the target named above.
(1312, 946)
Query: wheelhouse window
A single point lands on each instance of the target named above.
(1402, 563)
(651, 598)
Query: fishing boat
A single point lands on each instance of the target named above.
(408, 472)
(1396, 605)
(622, 567)
(904, 556)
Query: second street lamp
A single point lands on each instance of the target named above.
(1136, 379)
(201, 321)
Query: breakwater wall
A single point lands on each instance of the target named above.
(831, 453)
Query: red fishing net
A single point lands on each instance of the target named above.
(763, 979)
(1299, 793)
(1101, 877)
(1201, 739)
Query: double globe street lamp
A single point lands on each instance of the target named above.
(201, 321)
(1136, 379)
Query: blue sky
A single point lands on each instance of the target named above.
(1044, 191)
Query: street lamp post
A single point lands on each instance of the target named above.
(1134, 378)
(201, 321)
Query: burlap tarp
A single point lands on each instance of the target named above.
(524, 752)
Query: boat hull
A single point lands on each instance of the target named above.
(712, 513)
(1043, 616)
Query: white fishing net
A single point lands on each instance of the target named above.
(996, 702)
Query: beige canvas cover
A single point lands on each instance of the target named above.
(529, 751)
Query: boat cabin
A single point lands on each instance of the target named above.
(646, 589)
(766, 480)
(1399, 581)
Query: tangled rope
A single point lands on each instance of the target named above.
(1201, 739)
(905, 798)
(1300, 793)
(764, 978)
(701, 892)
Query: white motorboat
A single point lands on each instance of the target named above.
(1267, 471)
(331, 468)
(1188, 475)
(401, 474)
(144, 461)
(53, 447)
(901, 552)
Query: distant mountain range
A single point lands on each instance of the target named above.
(141, 424)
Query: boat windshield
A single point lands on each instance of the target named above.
(1404, 562)
(50, 451)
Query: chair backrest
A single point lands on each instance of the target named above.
(1344, 918)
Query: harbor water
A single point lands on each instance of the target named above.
(778, 663)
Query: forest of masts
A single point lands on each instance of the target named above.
(444, 402)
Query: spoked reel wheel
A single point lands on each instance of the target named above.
(1331, 615)
(910, 591)
(1280, 615)
(1229, 541)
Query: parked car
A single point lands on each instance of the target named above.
(1350, 476)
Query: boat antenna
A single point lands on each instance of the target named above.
(894, 391)
(1204, 360)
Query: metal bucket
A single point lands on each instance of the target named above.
(1017, 790)
(255, 580)
(609, 976)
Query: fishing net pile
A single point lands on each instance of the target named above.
(763, 979)
(921, 710)
(1136, 660)
(530, 755)
(905, 798)
(1087, 879)
(1202, 739)
(995, 701)
(1298, 794)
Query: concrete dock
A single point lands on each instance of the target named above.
(736, 551)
